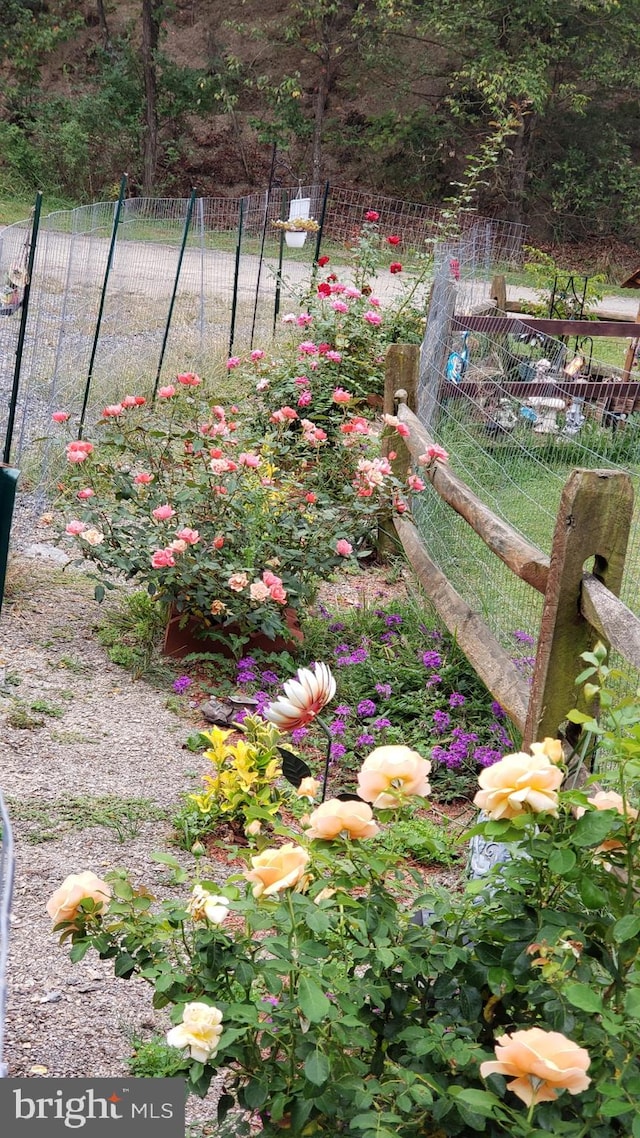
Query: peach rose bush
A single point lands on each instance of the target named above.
(331, 991)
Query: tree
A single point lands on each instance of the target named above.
(151, 21)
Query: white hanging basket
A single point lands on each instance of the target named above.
(295, 239)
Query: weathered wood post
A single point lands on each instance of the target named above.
(593, 521)
(436, 347)
(400, 374)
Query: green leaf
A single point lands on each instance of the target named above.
(583, 997)
(562, 861)
(592, 828)
(99, 593)
(632, 1003)
(316, 1068)
(592, 897)
(78, 950)
(124, 965)
(315, 1005)
(626, 928)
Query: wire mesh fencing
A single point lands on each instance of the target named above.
(516, 417)
(126, 295)
(6, 893)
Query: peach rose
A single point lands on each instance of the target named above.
(542, 1063)
(519, 783)
(65, 902)
(552, 748)
(308, 788)
(395, 769)
(609, 800)
(274, 870)
(333, 818)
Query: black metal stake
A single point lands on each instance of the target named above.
(323, 211)
(13, 401)
(276, 303)
(185, 235)
(262, 241)
(112, 245)
(236, 277)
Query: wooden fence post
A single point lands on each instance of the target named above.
(400, 374)
(593, 521)
(436, 347)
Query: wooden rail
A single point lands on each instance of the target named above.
(498, 325)
(580, 606)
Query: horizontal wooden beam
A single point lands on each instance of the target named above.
(497, 325)
(611, 618)
(485, 654)
(525, 388)
(519, 555)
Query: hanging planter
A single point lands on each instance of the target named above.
(295, 239)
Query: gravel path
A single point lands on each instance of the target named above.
(102, 735)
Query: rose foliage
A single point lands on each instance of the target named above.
(342, 996)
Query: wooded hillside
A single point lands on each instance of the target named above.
(533, 105)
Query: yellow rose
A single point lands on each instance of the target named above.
(277, 869)
(65, 902)
(517, 784)
(200, 1031)
(541, 1063)
(334, 817)
(395, 769)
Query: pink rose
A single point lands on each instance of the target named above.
(191, 536)
(303, 319)
(163, 559)
(232, 362)
(305, 399)
(112, 411)
(414, 483)
(238, 582)
(341, 396)
(343, 548)
(352, 293)
(189, 379)
(163, 513)
(372, 317)
(256, 354)
(278, 593)
(86, 493)
(177, 546)
(270, 578)
(143, 479)
(129, 401)
(258, 591)
(333, 357)
(307, 348)
(60, 416)
(262, 385)
(74, 527)
(372, 215)
(167, 392)
(78, 451)
(245, 458)
(339, 306)
(433, 452)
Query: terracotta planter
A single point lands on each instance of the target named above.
(181, 641)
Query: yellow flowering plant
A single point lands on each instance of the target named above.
(344, 994)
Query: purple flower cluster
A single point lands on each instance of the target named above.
(393, 620)
(366, 708)
(384, 690)
(441, 722)
(523, 637)
(269, 678)
(345, 656)
(338, 727)
(486, 756)
(298, 734)
(456, 699)
(263, 700)
(246, 671)
(338, 750)
(458, 750)
(365, 740)
(380, 723)
(431, 659)
(497, 710)
(181, 684)
(342, 711)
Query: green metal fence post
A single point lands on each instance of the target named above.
(185, 234)
(323, 212)
(112, 245)
(24, 312)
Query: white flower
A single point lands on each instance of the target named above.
(304, 697)
(93, 536)
(204, 905)
(200, 1031)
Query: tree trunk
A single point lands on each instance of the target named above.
(150, 35)
(521, 150)
(320, 106)
(104, 27)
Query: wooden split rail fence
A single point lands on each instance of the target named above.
(581, 605)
